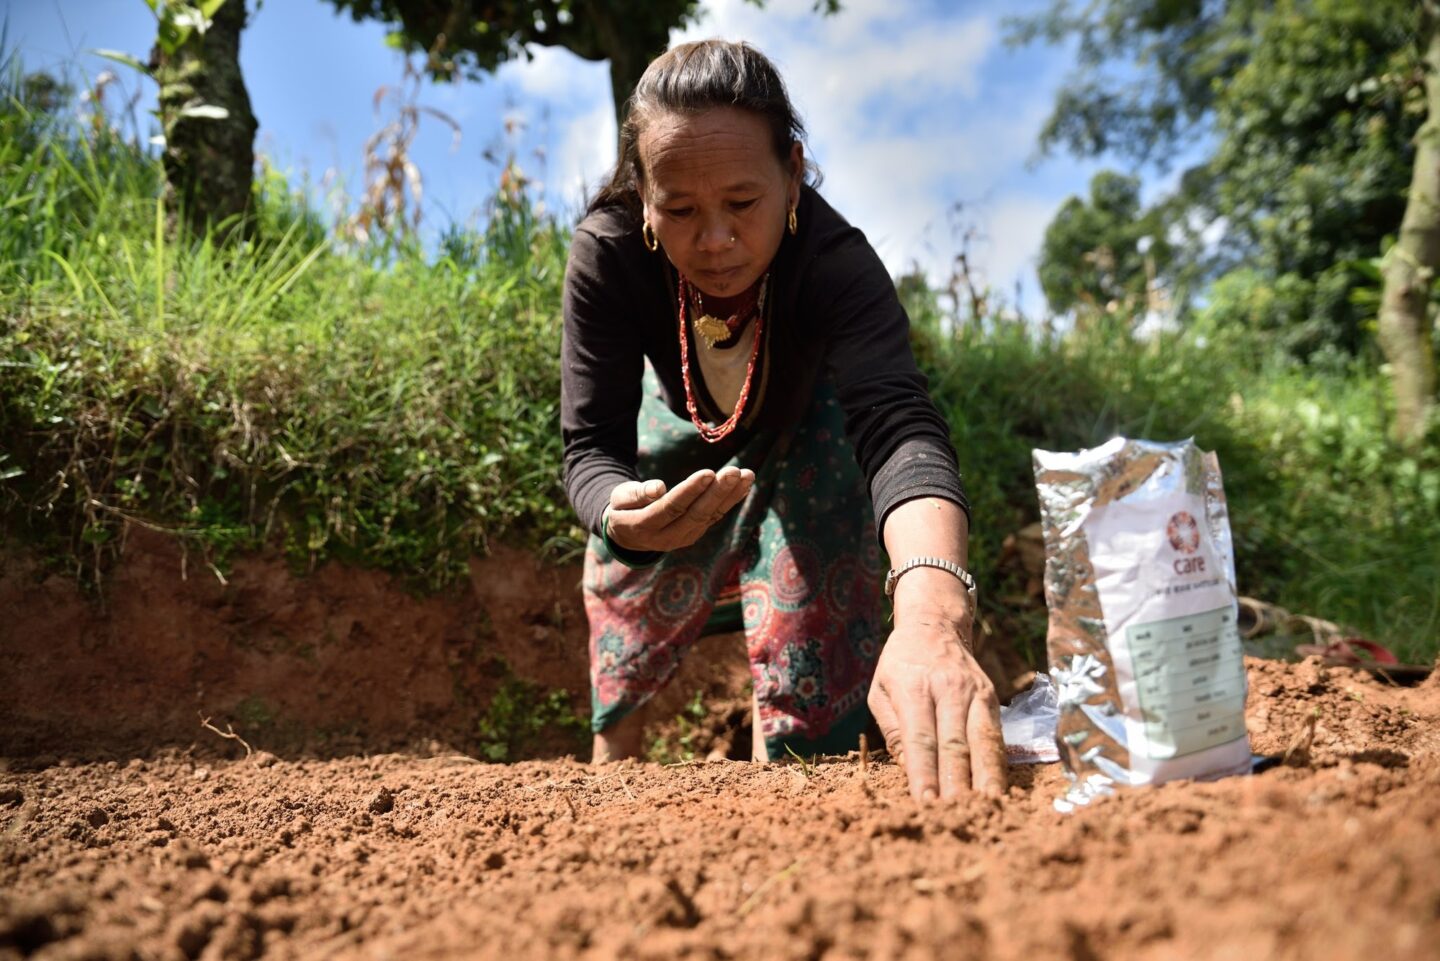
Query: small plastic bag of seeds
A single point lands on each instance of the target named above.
(1143, 646)
(1028, 724)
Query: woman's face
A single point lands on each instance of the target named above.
(716, 195)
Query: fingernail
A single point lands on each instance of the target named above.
(928, 795)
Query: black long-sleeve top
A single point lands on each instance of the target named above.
(832, 308)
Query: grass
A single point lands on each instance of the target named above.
(376, 404)
(397, 407)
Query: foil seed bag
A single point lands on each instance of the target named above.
(1142, 642)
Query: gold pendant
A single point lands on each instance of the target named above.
(712, 329)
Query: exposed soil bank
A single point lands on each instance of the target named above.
(332, 661)
(392, 856)
(338, 661)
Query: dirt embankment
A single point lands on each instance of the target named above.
(339, 660)
(335, 662)
(182, 856)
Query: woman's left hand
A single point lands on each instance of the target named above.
(938, 712)
(935, 706)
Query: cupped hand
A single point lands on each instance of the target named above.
(939, 713)
(644, 516)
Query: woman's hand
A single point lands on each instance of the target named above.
(938, 711)
(644, 517)
(935, 706)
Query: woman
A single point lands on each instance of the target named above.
(739, 407)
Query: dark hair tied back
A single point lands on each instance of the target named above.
(692, 78)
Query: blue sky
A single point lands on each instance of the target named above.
(913, 107)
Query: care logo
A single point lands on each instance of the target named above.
(1184, 536)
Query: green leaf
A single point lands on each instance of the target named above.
(120, 56)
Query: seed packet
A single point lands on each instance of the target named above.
(1143, 645)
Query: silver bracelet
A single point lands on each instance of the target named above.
(939, 562)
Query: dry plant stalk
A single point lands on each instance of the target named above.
(394, 188)
(769, 882)
(229, 734)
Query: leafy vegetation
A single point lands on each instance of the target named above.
(1329, 516)
(521, 715)
(1301, 122)
(472, 38)
(375, 404)
(678, 746)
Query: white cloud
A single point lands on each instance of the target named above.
(556, 74)
(586, 153)
(1014, 227)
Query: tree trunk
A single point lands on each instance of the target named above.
(629, 46)
(209, 163)
(1411, 265)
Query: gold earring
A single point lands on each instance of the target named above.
(792, 223)
(647, 236)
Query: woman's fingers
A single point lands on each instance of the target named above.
(633, 495)
(726, 489)
(987, 743)
(741, 491)
(644, 516)
(952, 715)
(675, 505)
(710, 506)
(915, 710)
(883, 710)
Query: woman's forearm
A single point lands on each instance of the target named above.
(929, 527)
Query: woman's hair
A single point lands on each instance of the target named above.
(692, 78)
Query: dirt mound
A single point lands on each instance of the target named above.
(1334, 855)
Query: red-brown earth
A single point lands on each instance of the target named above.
(127, 831)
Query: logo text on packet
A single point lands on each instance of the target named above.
(1184, 536)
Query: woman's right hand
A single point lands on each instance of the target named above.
(643, 516)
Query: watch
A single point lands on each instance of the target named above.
(939, 562)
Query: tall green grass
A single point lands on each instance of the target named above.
(398, 407)
(377, 404)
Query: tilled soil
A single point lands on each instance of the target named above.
(1333, 855)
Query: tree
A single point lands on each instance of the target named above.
(1411, 266)
(1104, 255)
(473, 37)
(205, 113)
(1311, 107)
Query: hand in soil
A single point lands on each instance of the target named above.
(643, 516)
(939, 713)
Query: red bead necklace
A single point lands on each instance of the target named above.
(720, 431)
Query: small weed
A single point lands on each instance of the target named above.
(254, 713)
(807, 768)
(680, 747)
(521, 715)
